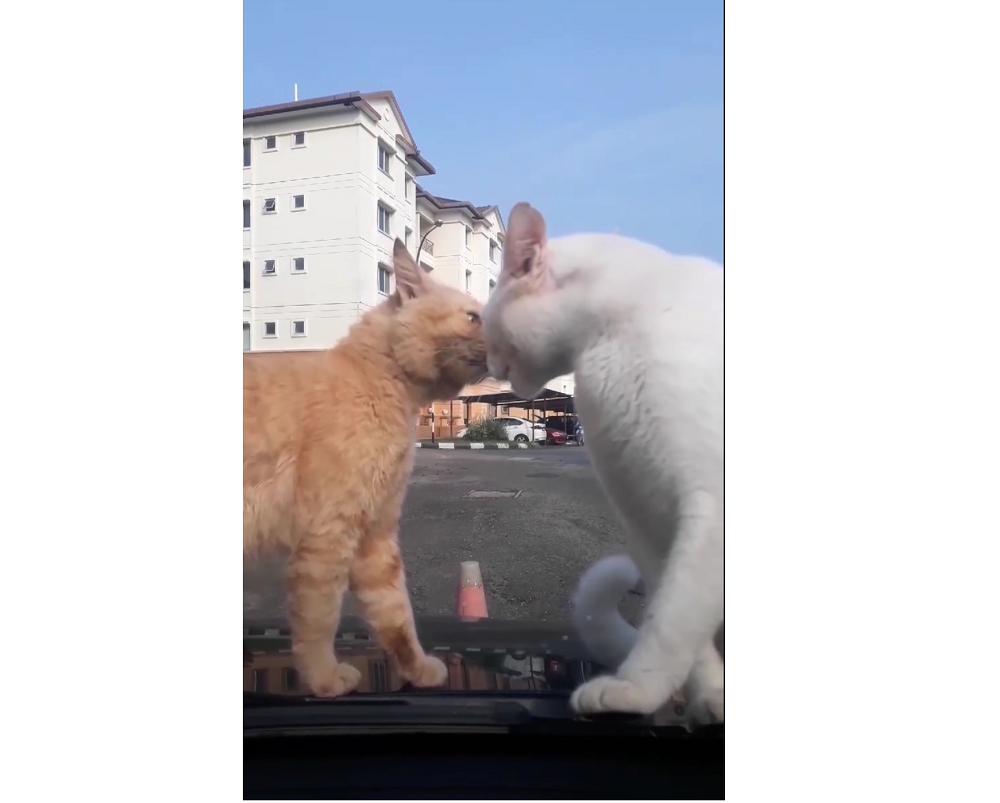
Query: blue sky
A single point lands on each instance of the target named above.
(603, 115)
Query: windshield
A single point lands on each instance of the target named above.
(382, 156)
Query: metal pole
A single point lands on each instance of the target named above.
(420, 247)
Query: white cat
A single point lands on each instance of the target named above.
(643, 332)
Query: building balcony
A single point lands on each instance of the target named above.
(427, 261)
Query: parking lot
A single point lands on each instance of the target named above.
(532, 544)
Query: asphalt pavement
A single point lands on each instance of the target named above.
(542, 522)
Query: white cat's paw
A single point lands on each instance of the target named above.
(609, 694)
(707, 708)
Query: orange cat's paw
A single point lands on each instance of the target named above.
(429, 671)
(334, 680)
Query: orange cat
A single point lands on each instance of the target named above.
(327, 453)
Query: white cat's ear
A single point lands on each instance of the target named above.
(525, 240)
(410, 279)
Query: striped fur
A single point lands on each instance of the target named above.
(327, 453)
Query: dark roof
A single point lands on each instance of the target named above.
(485, 210)
(359, 100)
(477, 212)
(411, 151)
(442, 201)
(394, 104)
(548, 398)
(343, 99)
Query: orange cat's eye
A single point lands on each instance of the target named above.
(473, 317)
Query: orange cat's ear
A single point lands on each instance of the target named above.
(525, 240)
(410, 280)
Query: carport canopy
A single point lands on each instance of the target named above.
(548, 400)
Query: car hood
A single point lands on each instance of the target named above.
(485, 655)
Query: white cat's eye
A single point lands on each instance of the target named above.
(473, 317)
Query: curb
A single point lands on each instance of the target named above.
(474, 445)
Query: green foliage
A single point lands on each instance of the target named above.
(485, 429)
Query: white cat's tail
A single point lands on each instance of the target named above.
(603, 630)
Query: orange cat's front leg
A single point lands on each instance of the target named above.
(317, 578)
(378, 581)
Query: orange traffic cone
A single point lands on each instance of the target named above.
(471, 593)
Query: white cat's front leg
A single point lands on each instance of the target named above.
(705, 688)
(682, 618)
(608, 694)
(656, 668)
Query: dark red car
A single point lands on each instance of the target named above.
(555, 437)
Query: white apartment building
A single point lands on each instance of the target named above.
(463, 242)
(328, 184)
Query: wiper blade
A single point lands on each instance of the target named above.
(263, 713)
(422, 707)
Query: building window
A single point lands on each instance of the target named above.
(468, 281)
(298, 328)
(299, 265)
(270, 329)
(384, 159)
(383, 219)
(270, 267)
(493, 251)
(270, 206)
(246, 153)
(270, 143)
(407, 187)
(246, 275)
(299, 139)
(406, 237)
(468, 236)
(246, 337)
(493, 286)
(290, 678)
(384, 279)
(246, 214)
(298, 203)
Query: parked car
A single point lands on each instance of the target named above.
(555, 437)
(519, 430)
(567, 424)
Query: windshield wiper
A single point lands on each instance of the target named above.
(263, 714)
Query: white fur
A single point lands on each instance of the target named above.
(643, 332)
(605, 633)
